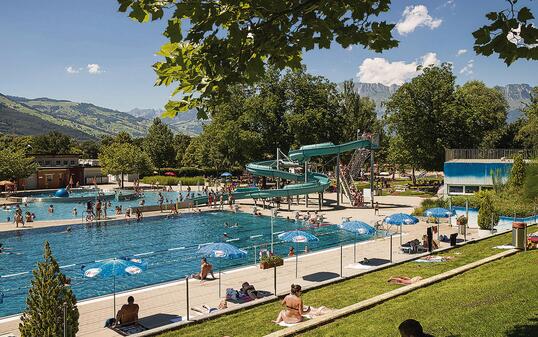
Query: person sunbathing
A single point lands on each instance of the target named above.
(403, 280)
(294, 307)
(207, 309)
(128, 313)
(205, 269)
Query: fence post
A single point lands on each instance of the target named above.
(391, 248)
(254, 255)
(187, 295)
(274, 278)
(341, 262)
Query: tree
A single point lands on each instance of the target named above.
(487, 215)
(53, 142)
(483, 112)
(181, 143)
(528, 133)
(14, 164)
(359, 112)
(89, 149)
(124, 158)
(422, 114)
(159, 144)
(398, 157)
(230, 42)
(517, 174)
(48, 300)
(511, 34)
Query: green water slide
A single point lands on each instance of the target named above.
(314, 182)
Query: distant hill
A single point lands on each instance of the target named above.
(517, 95)
(25, 116)
(186, 123)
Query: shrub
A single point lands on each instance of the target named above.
(166, 180)
(46, 300)
(517, 174)
(487, 214)
(188, 171)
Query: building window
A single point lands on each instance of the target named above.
(48, 178)
(72, 162)
(455, 189)
(471, 189)
(65, 162)
(47, 162)
(57, 163)
(486, 188)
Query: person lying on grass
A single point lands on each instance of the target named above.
(404, 280)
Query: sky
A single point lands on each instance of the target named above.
(86, 51)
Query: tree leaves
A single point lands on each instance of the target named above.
(229, 42)
(510, 35)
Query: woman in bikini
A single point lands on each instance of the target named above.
(294, 307)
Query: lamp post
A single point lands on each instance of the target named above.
(274, 213)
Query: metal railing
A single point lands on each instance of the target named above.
(451, 154)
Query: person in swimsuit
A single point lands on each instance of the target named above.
(404, 280)
(205, 269)
(294, 307)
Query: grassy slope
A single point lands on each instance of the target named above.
(257, 321)
(498, 299)
(19, 119)
(93, 119)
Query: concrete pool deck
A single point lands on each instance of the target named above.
(314, 268)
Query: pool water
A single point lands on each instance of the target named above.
(168, 245)
(64, 210)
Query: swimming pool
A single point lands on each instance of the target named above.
(168, 245)
(64, 209)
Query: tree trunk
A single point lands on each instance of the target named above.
(122, 186)
(413, 176)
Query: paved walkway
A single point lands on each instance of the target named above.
(170, 298)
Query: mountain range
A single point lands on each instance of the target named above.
(85, 121)
(25, 116)
(517, 96)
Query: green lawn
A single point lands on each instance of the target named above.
(498, 299)
(257, 321)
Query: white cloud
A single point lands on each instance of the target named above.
(349, 48)
(94, 68)
(461, 52)
(380, 70)
(430, 59)
(416, 16)
(468, 69)
(72, 70)
(450, 3)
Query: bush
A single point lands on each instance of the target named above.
(197, 172)
(517, 174)
(166, 180)
(429, 203)
(487, 214)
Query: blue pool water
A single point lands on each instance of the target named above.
(63, 210)
(170, 242)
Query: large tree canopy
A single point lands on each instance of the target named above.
(282, 111)
(430, 114)
(15, 165)
(216, 44)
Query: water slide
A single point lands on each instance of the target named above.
(314, 182)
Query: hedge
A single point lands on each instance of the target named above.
(166, 180)
(208, 172)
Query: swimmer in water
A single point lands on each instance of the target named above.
(225, 235)
(75, 212)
